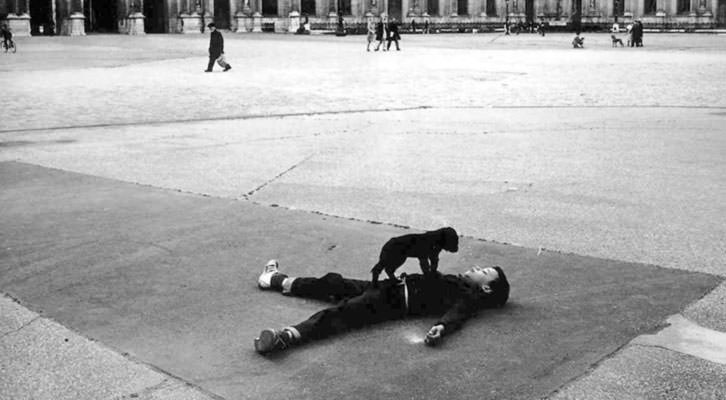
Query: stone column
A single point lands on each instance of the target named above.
(294, 22)
(208, 13)
(242, 17)
(19, 24)
(660, 11)
(628, 11)
(136, 24)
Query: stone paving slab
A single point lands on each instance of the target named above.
(40, 359)
(670, 376)
(170, 278)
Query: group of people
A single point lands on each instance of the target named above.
(382, 31)
(635, 34)
(531, 27)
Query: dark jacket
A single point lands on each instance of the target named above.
(379, 31)
(451, 297)
(216, 44)
(393, 31)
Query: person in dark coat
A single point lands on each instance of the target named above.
(455, 298)
(393, 33)
(638, 33)
(380, 34)
(216, 49)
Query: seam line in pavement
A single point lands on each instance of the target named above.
(353, 111)
(222, 118)
(23, 326)
(247, 195)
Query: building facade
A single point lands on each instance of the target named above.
(76, 17)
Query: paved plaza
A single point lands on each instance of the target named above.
(141, 197)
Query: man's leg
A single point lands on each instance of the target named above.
(223, 63)
(370, 307)
(210, 65)
(330, 287)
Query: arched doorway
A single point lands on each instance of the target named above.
(269, 8)
(576, 15)
(221, 14)
(529, 11)
(394, 9)
(307, 7)
(41, 17)
(101, 15)
(155, 13)
(433, 7)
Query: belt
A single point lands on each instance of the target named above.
(405, 291)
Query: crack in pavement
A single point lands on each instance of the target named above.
(247, 195)
(6, 334)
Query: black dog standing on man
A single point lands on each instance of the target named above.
(216, 49)
(424, 246)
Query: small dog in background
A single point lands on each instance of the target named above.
(424, 246)
(616, 41)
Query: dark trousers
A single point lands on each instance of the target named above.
(389, 43)
(358, 304)
(213, 58)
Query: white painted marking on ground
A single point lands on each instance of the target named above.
(690, 338)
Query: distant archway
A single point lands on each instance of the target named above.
(101, 15)
(155, 13)
(221, 14)
(394, 9)
(41, 17)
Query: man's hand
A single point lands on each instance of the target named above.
(434, 336)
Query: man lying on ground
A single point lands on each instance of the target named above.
(358, 304)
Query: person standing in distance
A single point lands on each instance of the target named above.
(216, 49)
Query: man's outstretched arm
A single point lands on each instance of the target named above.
(450, 322)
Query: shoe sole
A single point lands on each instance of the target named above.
(265, 343)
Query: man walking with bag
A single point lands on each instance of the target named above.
(216, 49)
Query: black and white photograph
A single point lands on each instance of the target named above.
(363, 199)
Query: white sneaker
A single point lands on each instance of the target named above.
(271, 268)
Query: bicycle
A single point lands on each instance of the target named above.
(9, 46)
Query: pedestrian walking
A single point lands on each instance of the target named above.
(380, 34)
(393, 35)
(371, 27)
(216, 49)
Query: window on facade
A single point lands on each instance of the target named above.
(345, 7)
(491, 8)
(269, 7)
(684, 6)
(433, 6)
(461, 8)
(307, 7)
(619, 7)
(650, 6)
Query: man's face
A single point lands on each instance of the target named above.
(481, 276)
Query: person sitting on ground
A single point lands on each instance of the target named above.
(357, 304)
(578, 42)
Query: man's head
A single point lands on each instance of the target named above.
(491, 280)
(211, 26)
